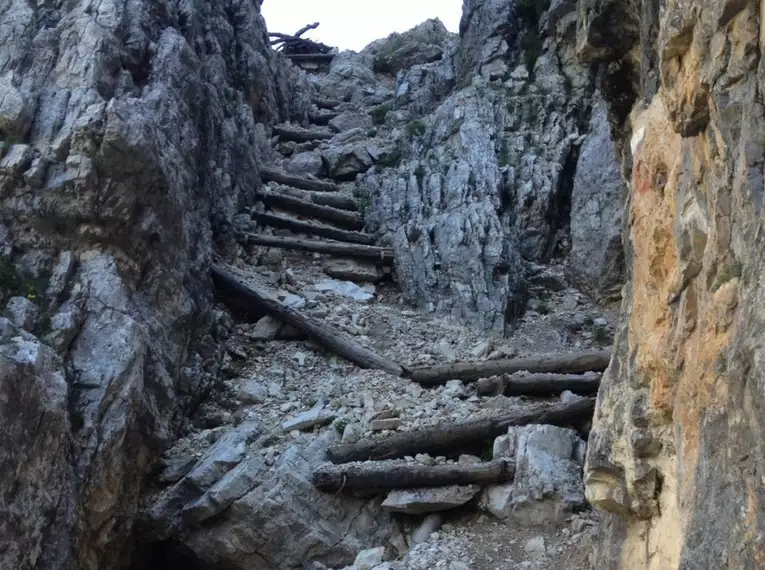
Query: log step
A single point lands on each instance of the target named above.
(311, 57)
(323, 119)
(338, 249)
(294, 134)
(299, 226)
(342, 218)
(333, 200)
(387, 475)
(272, 175)
(541, 385)
(322, 103)
(471, 371)
(454, 435)
(246, 298)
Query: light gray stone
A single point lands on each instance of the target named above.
(428, 526)
(22, 312)
(368, 559)
(223, 456)
(252, 391)
(177, 467)
(349, 120)
(548, 475)
(344, 289)
(597, 261)
(316, 416)
(305, 163)
(430, 499)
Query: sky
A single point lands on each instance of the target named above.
(352, 24)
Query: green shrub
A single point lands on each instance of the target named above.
(390, 159)
(416, 128)
(730, 272)
(530, 11)
(531, 44)
(380, 113)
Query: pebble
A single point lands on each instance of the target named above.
(381, 425)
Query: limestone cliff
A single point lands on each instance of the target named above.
(676, 450)
(128, 141)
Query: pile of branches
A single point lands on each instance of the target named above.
(295, 45)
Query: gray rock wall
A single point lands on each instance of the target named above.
(129, 140)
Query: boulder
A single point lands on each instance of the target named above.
(23, 313)
(305, 163)
(548, 475)
(283, 521)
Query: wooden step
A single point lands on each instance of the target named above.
(334, 200)
(300, 226)
(273, 175)
(311, 57)
(381, 255)
(322, 103)
(323, 119)
(295, 134)
(341, 218)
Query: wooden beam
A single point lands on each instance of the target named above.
(339, 249)
(323, 334)
(322, 103)
(299, 226)
(342, 218)
(471, 371)
(387, 475)
(300, 135)
(454, 435)
(272, 175)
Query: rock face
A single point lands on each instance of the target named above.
(128, 141)
(268, 518)
(485, 173)
(676, 444)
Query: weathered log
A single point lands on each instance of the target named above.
(339, 249)
(271, 175)
(300, 135)
(322, 103)
(342, 218)
(450, 436)
(229, 286)
(299, 226)
(323, 119)
(539, 385)
(334, 200)
(306, 28)
(387, 475)
(471, 371)
(312, 57)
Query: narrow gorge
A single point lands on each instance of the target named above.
(466, 301)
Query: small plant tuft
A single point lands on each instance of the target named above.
(416, 128)
(340, 426)
(420, 173)
(731, 271)
(390, 160)
(601, 336)
(380, 113)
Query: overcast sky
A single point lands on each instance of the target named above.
(352, 24)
